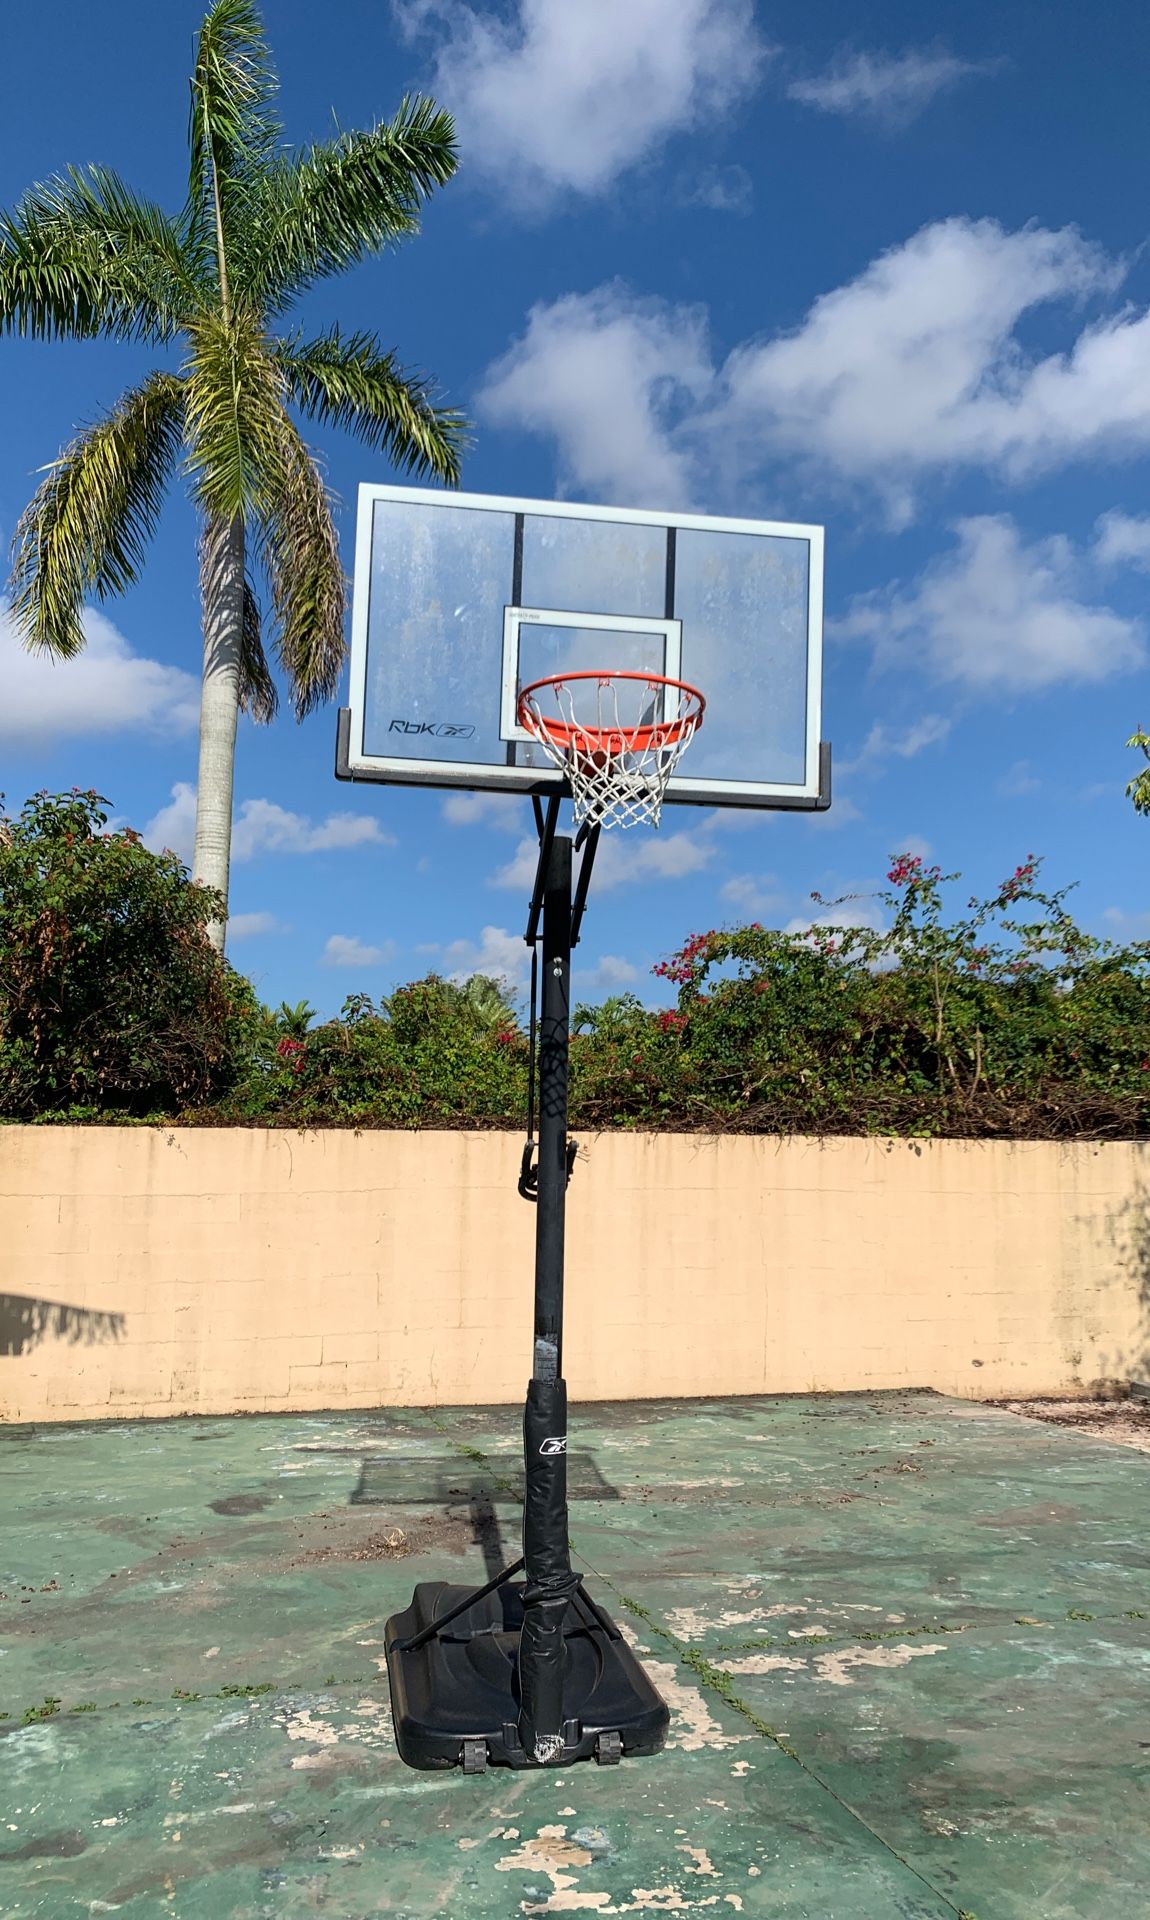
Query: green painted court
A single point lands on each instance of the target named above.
(906, 1643)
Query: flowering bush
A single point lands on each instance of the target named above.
(1003, 1019)
(1008, 1019)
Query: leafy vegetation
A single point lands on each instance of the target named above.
(111, 997)
(1004, 1019)
(1138, 789)
(432, 1054)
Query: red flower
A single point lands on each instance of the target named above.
(906, 870)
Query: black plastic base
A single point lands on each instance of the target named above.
(455, 1699)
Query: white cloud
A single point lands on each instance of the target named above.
(857, 910)
(174, 826)
(915, 845)
(465, 809)
(519, 871)
(624, 859)
(1123, 539)
(611, 973)
(106, 689)
(565, 95)
(717, 189)
(842, 812)
(1127, 927)
(262, 826)
(997, 615)
(658, 856)
(883, 742)
(606, 376)
(913, 368)
(347, 950)
(754, 894)
(1018, 780)
(245, 926)
(891, 88)
(498, 954)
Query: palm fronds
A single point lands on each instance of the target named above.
(222, 559)
(235, 391)
(299, 549)
(258, 696)
(351, 381)
(87, 525)
(82, 255)
(233, 127)
(321, 210)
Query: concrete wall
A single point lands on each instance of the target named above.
(152, 1272)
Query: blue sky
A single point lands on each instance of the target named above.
(841, 269)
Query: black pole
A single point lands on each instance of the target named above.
(586, 866)
(550, 1582)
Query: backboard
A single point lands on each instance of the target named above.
(462, 599)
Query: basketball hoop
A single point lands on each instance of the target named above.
(617, 736)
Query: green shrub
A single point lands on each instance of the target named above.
(1008, 1020)
(432, 1054)
(1002, 1020)
(111, 998)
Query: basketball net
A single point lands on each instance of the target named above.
(618, 737)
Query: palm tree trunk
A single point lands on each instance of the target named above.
(222, 597)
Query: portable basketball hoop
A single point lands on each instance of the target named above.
(480, 631)
(617, 736)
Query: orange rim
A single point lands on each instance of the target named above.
(611, 740)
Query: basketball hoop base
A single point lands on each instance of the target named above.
(455, 1694)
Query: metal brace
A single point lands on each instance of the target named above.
(529, 1169)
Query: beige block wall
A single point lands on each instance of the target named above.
(148, 1272)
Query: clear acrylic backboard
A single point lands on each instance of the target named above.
(461, 599)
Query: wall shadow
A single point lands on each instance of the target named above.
(1128, 1232)
(26, 1321)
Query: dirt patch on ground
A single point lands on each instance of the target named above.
(1126, 1422)
(430, 1534)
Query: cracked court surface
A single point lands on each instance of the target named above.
(905, 1641)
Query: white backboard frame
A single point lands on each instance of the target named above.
(812, 793)
(516, 618)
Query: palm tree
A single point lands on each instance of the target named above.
(82, 256)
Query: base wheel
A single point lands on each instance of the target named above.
(609, 1749)
(475, 1756)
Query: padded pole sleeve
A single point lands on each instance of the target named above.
(550, 1581)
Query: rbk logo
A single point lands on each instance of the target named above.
(436, 729)
(555, 1443)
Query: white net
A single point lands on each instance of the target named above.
(618, 738)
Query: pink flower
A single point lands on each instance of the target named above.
(906, 870)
